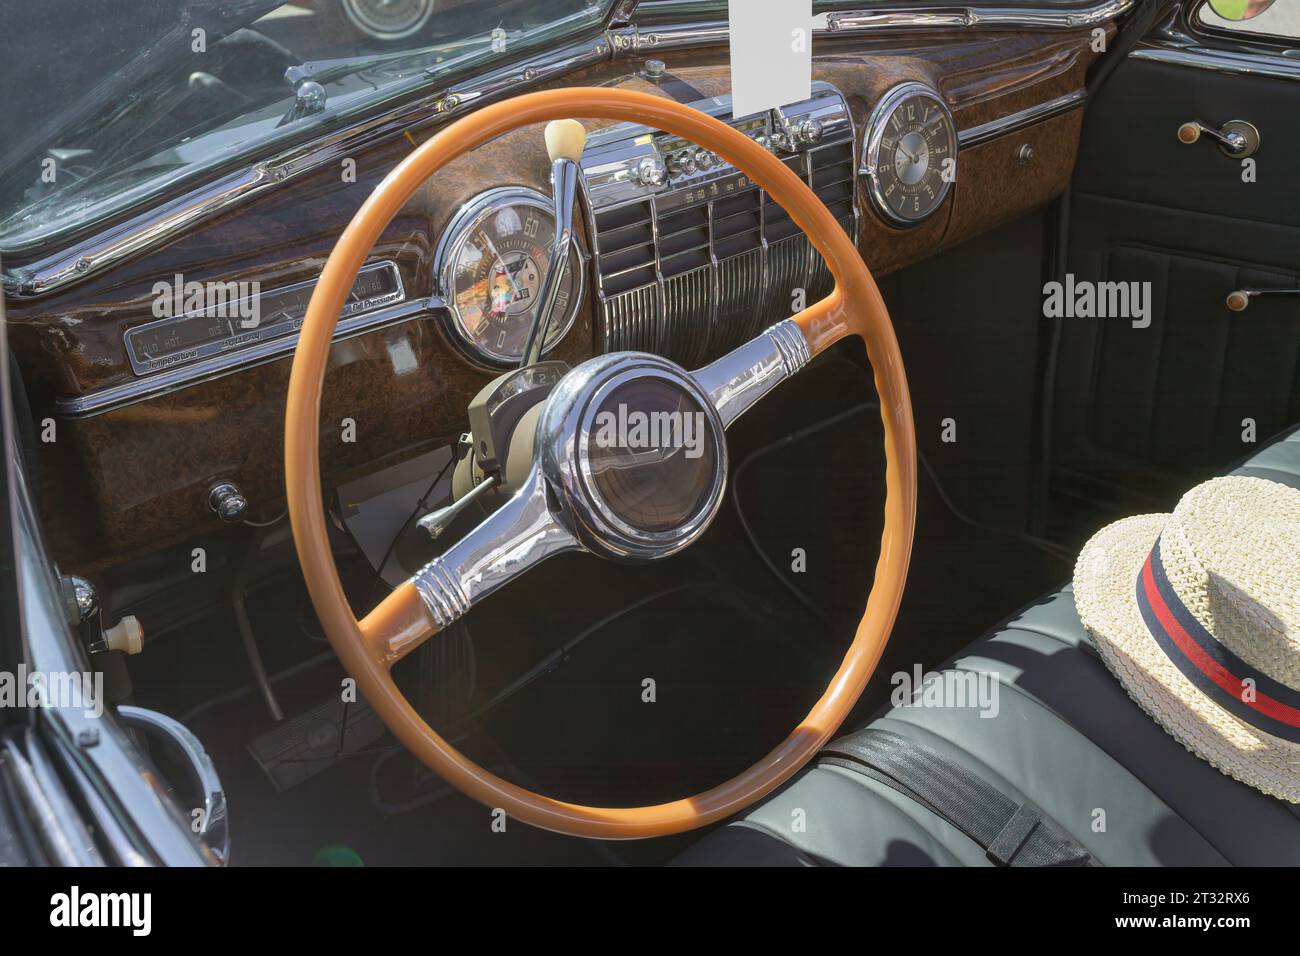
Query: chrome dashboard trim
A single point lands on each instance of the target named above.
(147, 229)
(650, 317)
(974, 135)
(976, 17)
(141, 366)
(182, 376)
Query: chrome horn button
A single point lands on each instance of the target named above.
(634, 450)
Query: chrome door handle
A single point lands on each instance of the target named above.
(1235, 138)
(1239, 299)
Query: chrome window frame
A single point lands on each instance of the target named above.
(1176, 42)
(1244, 40)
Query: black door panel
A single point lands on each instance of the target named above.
(1143, 413)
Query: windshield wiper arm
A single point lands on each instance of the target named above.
(326, 71)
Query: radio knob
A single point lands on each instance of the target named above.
(808, 132)
(704, 159)
(227, 502)
(681, 164)
(651, 171)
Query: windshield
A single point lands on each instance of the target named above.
(110, 102)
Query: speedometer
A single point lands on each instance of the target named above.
(490, 264)
(910, 154)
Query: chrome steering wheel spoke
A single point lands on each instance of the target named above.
(565, 504)
(519, 535)
(737, 380)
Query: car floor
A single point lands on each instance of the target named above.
(640, 683)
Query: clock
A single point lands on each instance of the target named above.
(909, 154)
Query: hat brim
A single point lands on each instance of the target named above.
(1105, 595)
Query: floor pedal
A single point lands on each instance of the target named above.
(314, 741)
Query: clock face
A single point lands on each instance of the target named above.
(910, 154)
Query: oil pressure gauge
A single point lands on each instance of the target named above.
(909, 154)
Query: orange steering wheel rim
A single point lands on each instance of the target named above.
(855, 307)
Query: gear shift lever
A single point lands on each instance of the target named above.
(564, 141)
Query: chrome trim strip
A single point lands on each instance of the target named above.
(974, 135)
(1177, 42)
(792, 344)
(154, 226)
(264, 332)
(975, 17)
(181, 376)
(1231, 62)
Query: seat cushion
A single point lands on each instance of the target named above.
(1279, 460)
(1064, 735)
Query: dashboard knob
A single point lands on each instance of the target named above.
(226, 501)
(651, 171)
(704, 159)
(808, 132)
(126, 636)
(682, 164)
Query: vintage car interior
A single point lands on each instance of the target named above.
(312, 313)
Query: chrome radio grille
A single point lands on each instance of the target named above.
(698, 262)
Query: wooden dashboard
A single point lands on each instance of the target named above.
(123, 479)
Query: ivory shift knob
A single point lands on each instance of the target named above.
(565, 139)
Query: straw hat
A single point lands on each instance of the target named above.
(1198, 615)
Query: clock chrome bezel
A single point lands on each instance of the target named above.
(462, 225)
(875, 132)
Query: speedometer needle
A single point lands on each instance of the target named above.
(501, 264)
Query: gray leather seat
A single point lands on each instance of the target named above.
(1066, 737)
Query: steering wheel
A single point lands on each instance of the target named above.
(582, 494)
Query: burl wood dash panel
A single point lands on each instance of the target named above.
(132, 480)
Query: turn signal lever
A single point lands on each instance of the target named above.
(564, 141)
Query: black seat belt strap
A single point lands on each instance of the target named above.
(1011, 833)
